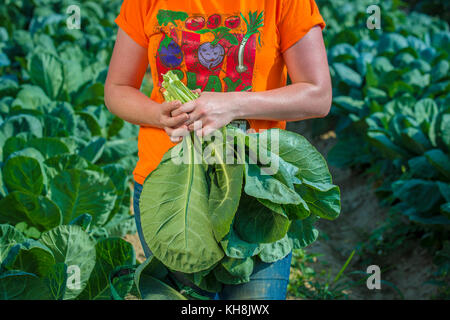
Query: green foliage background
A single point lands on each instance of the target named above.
(66, 161)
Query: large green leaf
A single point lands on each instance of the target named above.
(77, 192)
(65, 112)
(415, 140)
(9, 237)
(298, 151)
(234, 271)
(13, 144)
(225, 191)
(255, 223)
(386, 146)
(440, 161)
(271, 252)
(74, 247)
(110, 253)
(22, 173)
(422, 195)
(323, 199)
(273, 181)
(19, 285)
(120, 225)
(65, 162)
(444, 188)
(148, 280)
(205, 280)
(235, 247)
(116, 149)
(174, 213)
(347, 75)
(49, 147)
(30, 256)
(30, 97)
(445, 210)
(444, 130)
(302, 232)
(37, 211)
(46, 71)
(93, 151)
(21, 123)
(421, 168)
(151, 288)
(263, 185)
(120, 177)
(56, 280)
(392, 42)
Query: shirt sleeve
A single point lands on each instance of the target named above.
(131, 19)
(297, 18)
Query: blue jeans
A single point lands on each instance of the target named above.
(268, 282)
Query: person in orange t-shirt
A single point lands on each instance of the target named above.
(236, 54)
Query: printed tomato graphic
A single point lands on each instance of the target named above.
(170, 52)
(232, 22)
(214, 21)
(195, 23)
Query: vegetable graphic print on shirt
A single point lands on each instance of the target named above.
(213, 53)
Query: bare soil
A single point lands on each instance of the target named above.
(409, 268)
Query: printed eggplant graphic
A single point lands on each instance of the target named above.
(170, 52)
(211, 54)
(253, 24)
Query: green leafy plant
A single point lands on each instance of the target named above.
(215, 220)
(65, 161)
(390, 114)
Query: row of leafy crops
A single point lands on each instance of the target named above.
(65, 160)
(391, 107)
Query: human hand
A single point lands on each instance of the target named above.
(209, 112)
(174, 126)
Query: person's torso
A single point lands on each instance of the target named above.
(216, 45)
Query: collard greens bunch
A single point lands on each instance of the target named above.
(214, 220)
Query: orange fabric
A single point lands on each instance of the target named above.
(214, 45)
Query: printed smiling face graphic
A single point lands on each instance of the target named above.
(209, 55)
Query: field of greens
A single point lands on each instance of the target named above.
(66, 162)
(391, 119)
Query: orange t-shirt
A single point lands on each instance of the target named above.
(225, 46)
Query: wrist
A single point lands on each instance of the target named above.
(152, 115)
(237, 105)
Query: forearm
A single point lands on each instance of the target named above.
(295, 102)
(131, 105)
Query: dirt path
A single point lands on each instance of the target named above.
(408, 268)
